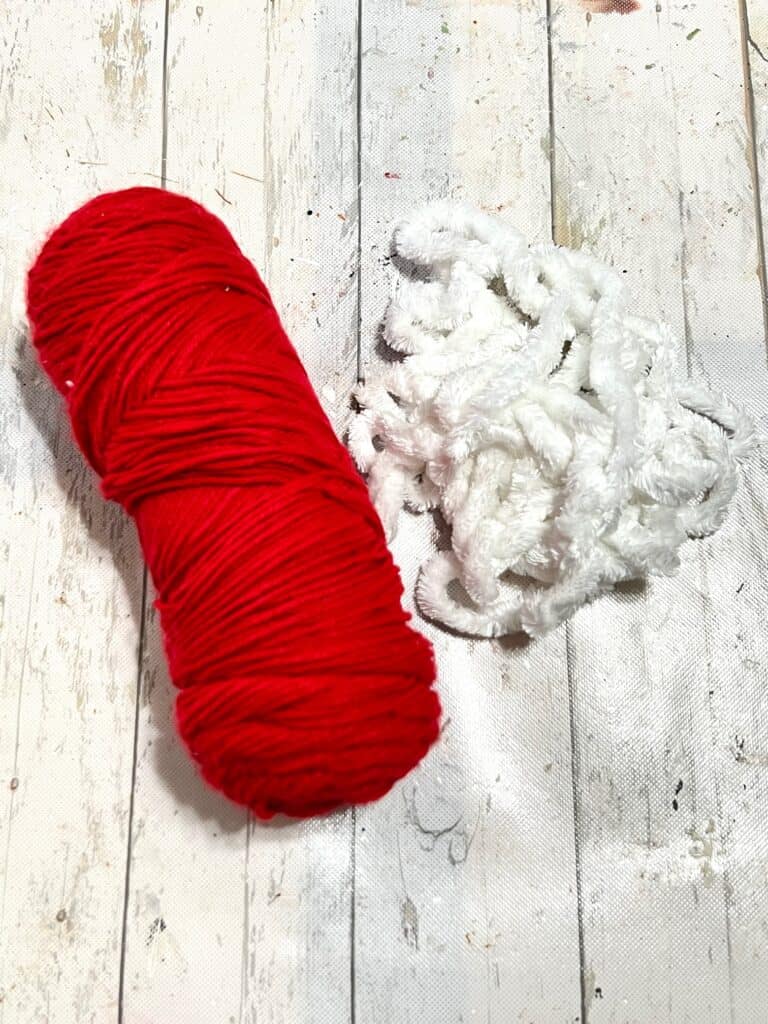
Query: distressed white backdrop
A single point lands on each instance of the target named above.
(589, 840)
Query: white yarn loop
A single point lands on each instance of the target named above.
(551, 428)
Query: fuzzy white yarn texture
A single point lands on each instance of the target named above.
(553, 430)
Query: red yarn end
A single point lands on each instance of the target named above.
(302, 685)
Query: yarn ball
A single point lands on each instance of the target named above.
(301, 685)
(554, 430)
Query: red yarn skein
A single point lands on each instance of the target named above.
(302, 686)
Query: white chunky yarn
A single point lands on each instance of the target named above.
(549, 426)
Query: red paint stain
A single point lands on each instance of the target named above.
(610, 6)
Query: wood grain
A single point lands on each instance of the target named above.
(725, 303)
(651, 172)
(754, 37)
(187, 885)
(587, 840)
(465, 885)
(234, 919)
(71, 571)
(301, 873)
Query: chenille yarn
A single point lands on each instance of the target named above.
(551, 428)
(301, 684)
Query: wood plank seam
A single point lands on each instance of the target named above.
(551, 14)
(748, 44)
(358, 376)
(144, 585)
(584, 996)
(131, 802)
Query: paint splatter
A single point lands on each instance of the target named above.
(610, 6)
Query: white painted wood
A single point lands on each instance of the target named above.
(465, 884)
(234, 920)
(187, 899)
(755, 46)
(639, 709)
(725, 314)
(300, 874)
(651, 171)
(79, 113)
(466, 877)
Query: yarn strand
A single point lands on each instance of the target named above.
(551, 428)
(301, 684)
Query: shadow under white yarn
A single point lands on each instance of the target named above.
(550, 427)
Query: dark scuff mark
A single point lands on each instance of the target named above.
(678, 789)
(156, 928)
(610, 6)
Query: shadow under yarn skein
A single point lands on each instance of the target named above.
(301, 684)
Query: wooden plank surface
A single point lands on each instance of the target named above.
(587, 840)
(187, 846)
(652, 173)
(465, 899)
(727, 346)
(754, 37)
(79, 113)
(300, 874)
(267, 140)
